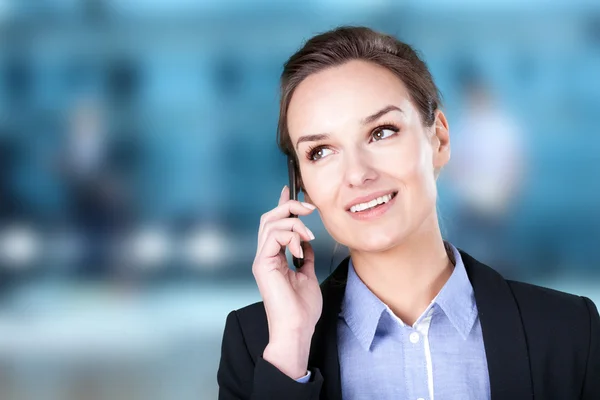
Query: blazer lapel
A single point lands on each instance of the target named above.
(503, 333)
(324, 349)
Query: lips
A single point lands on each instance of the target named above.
(374, 212)
(371, 204)
(371, 200)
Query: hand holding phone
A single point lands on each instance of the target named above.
(292, 298)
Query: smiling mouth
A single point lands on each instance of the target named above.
(373, 204)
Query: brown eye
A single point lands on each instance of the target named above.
(383, 133)
(318, 153)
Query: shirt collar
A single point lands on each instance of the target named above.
(457, 299)
(362, 310)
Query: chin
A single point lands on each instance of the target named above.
(375, 242)
(379, 236)
(376, 246)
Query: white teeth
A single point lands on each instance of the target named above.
(370, 204)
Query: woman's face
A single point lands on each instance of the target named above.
(360, 142)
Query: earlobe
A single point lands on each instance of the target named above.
(442, 131)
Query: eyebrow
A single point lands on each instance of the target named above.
(380, 113)
(365, 121)
(312, 138)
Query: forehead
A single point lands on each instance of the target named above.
(329, 99)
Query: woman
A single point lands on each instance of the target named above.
(407, 315)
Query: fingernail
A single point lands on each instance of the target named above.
(301, 252)
(310, 234)
(308, 205)
(284, 186)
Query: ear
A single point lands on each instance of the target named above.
(440, 141)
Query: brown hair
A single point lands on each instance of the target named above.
(344, 44)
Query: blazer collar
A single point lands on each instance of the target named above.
(503, 333)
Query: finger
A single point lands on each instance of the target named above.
(309, 253)
(286, 224)
(277, 240)
(284, 211)
(290, 207)
(284, 196)
(308, 267)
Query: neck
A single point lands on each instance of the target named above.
(407, 277)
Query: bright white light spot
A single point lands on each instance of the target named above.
(19, 246)
(150, 248)
(206, 248)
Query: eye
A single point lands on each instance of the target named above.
(315, 154)
(384, 132)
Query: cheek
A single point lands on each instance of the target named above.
(409, 162)
(412, 166)
(321, 186)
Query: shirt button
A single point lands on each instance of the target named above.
(414, 337)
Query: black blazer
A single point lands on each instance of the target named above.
(539, 343)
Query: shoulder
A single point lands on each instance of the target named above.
(551, 305)
(562, 333)
(251, 323)
(536, 305)
(551, 319)
(556, 319)
(253, 318)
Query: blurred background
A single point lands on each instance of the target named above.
(137, 153)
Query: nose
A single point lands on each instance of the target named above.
(358, 168)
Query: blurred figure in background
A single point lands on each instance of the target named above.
(487, 171)
(9, 204)
(94, 176)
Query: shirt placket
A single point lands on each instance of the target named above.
(418, 364)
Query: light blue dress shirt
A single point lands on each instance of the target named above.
(441, 356)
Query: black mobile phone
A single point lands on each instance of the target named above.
(294, 192)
